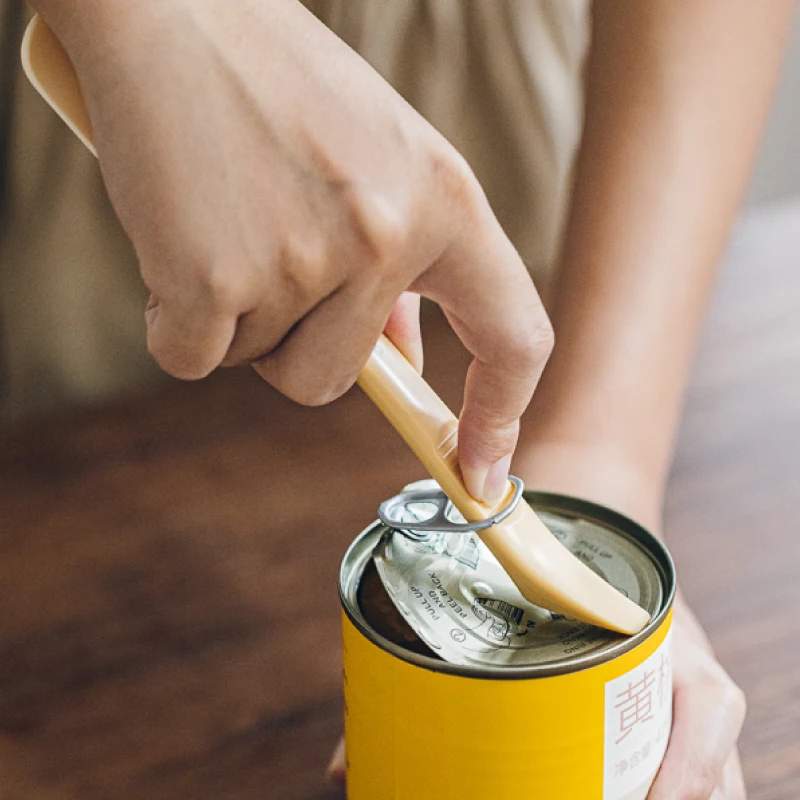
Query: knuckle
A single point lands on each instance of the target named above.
(182, 365)
(454, 178)
(485, 436)
(530, 346)
(727, 693)
(315, 396)
(500, 443)
(701, 784)
(307, 396)
(307, 390)
(381, 226)
(217, 286)
(305, 268)
(736, 700)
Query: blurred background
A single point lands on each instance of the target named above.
(777, 173)
(55, 355)
(169, 555)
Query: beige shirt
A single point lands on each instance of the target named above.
(501, 79)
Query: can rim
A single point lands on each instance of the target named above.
(360, 551)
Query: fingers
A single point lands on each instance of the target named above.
(308, 317)
(187, 340)
(321, 356)
(708, 715)
(300, 283)
(403, 328)
(262, 329)
(336, 769)
(491, 303)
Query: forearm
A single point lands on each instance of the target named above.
(677, 95)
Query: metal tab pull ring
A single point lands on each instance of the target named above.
(402, 511)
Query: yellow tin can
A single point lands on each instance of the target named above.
(590, 720)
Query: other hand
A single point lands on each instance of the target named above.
(701, 762)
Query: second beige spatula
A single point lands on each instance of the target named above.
(545, 572)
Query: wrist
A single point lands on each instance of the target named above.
(593, 470)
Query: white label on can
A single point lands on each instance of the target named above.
(638, 712)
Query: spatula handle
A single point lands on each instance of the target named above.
(420, 416)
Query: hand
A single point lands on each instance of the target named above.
(281, 197)
(701, 762)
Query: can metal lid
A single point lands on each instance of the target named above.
(457, 598)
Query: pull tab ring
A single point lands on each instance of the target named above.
(395, 512)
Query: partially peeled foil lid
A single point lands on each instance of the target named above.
(458, 599)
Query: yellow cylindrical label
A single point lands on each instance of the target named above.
(414, 733)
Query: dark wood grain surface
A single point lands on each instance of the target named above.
(169, 624)
(734, 506)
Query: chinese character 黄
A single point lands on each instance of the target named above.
(635, 705)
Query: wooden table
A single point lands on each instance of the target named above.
(168, 564)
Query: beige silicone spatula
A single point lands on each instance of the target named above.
(545, 572)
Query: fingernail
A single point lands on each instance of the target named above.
(489, 486)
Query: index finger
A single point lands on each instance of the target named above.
(490, 301)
